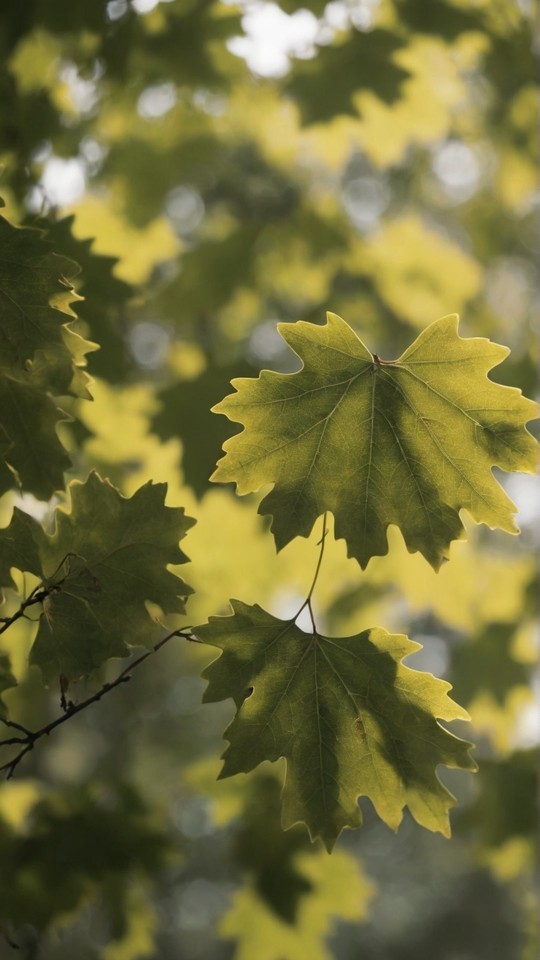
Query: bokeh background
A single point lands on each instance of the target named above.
(214, 169)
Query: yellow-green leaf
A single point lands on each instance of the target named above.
(408, 442)
(350, 719)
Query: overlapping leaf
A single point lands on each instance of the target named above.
(41, 357)
(325, 86)
(407, 442)
(35, 295)
(185, 413)
(339, 891)
(350, 719)
(105, 559)
(20, 547)
(34, 456)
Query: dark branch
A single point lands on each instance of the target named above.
(36, 596)
(30, 737)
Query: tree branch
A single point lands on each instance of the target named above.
(37, 596)
(29, 737)
(39, 593)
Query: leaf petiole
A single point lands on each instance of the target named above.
(307, 601)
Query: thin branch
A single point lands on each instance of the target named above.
(29, 737)
(16, 726)
(37, 596)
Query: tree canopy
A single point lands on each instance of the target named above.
(194, 193)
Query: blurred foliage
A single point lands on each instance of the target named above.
(381, 162)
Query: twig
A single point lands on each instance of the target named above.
(37, 596)
(30, 737)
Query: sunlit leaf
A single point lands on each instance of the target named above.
(408, 442)
(339, 890)
(416, 271)
(137, 251)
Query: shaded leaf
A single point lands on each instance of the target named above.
(444, 19)
(185, 413)
(350, 719)
(104, 560)
(189, 299)
(20, 547)
(267, 853)
(325, 86)
(34, 453)
(339, 890)
(74, 842)
(408, 442)
(506, 803)
(487, 663)
(105, 299)
(40, 355)
(35, 295)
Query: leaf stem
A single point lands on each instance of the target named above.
(30, 737)
(307, 601)
(322, 542)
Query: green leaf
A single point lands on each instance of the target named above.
(486, 663)
(339, 890)
(350, 719)
(33, 453)
(40, 354)
(445, 19)
(506, 803)
(324, 87)
(20, 547)
(103, 561)
(185, 413)
(35, 295)
(73, 842)
(267, 853)
(408, 442)
(104, 306)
